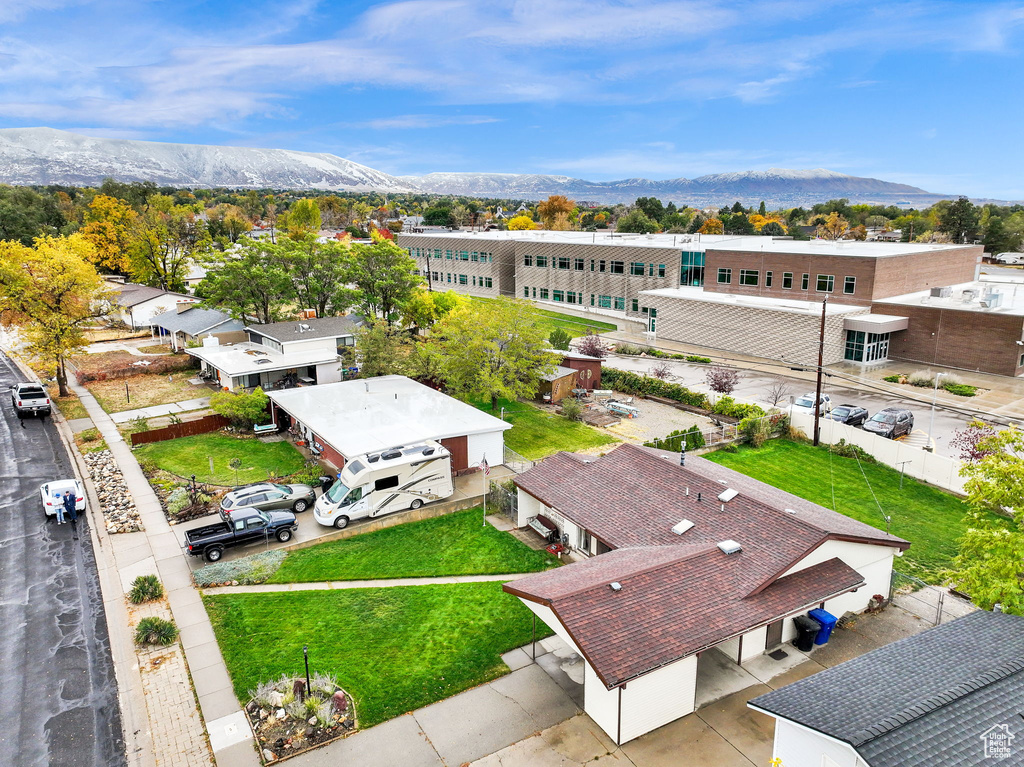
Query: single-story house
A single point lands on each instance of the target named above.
(679, 561)
(137, 305)
(951, 695)
(352, 418)
(298, 353)
(187, 323)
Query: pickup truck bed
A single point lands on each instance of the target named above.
(244, 525)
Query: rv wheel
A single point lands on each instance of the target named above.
(341, 522)
(416, 504)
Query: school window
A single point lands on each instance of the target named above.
(577, 264)
(463, 280)
(527, 260)
(448, 255)
(526, 292)
(449, 277)
(724, 276)
(650, 270)
(620, 303)
(535, 292)
(464, 255)
(593, 264)
(787, 280)
(850, 285)
(488, 282)
(805, 281)
(618, 267)
(542, 261)
(826, 283)
(474, 280)
(572, 297)
(661, 270)
(636, 269)
(600, 265)
(635, 304)
(563, 262)
(605, 302)
(543, 294)
(435, 276)
(416, 272)
(474, 256)
(558, 295)
(591, 299)
(748, 276)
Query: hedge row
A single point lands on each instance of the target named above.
(634, 383)
(728, 406)
(693, 438)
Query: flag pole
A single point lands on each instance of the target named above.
(484, 471)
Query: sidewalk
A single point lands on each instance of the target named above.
(155, 411)
(177, 728)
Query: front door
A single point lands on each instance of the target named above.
(774, 637)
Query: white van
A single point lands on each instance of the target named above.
(400, 478)
(1009, 258)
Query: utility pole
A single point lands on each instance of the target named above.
(430, 281)
(821, 358)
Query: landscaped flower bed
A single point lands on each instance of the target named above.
(926, 380)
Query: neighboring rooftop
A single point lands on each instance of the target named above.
(244, 358)
(559, 372)
(922, 701)
(129, 294)
(674, 241)
(304, 330)
(989, 296)
(371, 414)
(858, 248)
(196, 320)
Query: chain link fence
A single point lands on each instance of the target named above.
(503, 500)
(516, 462)
(934, 604)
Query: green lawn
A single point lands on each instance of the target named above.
(932, 520)
(191, 455)
(536, 433)
(453, 544)
(574, 326)
(394, 649)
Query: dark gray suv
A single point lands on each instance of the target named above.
(892, 422)
(269, 496)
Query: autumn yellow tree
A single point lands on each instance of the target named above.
(52, 291)
(108, 226)
(835, 227)
(521, 222)
(712, 226)
(554, 212)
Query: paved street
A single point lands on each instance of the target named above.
(59, 701)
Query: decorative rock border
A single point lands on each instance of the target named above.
(119, 512)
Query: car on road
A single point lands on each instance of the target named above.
(29, 399)
(806, 403)
(1009, 258)
(268, 496)
(246, 525)
(851, 415)
(892, 422)
(52, 495)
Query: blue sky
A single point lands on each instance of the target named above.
(926, 93)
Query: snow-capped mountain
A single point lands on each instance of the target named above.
(48, 156)
(776, 186)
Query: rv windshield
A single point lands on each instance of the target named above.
(337, 492)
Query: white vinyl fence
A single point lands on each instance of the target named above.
(934, 469)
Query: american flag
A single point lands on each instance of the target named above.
(484, 467)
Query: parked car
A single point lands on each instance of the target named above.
(892, 422)
(806, 402)
(29, 399)
(52, 495)
(246, 525)
(851, 415)
(1009, 258)
(268, 496)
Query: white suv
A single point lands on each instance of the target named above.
(806, 403)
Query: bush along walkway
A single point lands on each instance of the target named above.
(171, 690)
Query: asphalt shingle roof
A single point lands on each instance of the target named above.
(129, 294)
(195, 320)
(320, 327)
(922, 701)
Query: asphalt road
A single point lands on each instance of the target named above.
(58, 694)
(754, 386)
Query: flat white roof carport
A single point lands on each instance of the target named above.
(371, 414)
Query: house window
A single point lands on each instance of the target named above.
(543, 294)
(787, 280)
(542, 261)
(463, 280)
(605, 302)
(558, 295)
(577, 264)
(344, 341)
(620, 303)
(563, 262)
(826, 283)
(724, 276)
(805, 281)
(767, 279)
(488, 283)
(636, 269)
(635, 304)
(748, 276)
(527, 260)
(600, 265)
(850, 285)
(661, 270)
(617, 267)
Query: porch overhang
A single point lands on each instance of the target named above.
(876, 323)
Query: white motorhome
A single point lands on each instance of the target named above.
(399, 478)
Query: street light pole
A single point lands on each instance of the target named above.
(931, 423)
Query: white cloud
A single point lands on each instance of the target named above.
(416, 122)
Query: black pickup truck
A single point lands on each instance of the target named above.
(244, 525)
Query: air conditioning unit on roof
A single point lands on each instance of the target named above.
(942, 292)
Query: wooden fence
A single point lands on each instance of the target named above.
(203, 425)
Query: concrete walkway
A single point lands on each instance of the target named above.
(155, 411)
(156, 550)
(265, 588)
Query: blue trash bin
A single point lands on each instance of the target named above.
(827, 621)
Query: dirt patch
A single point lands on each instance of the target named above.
(144, 391)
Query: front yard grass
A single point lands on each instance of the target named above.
(453, 544)
(70, 406)
(395, 649)
(157, 349)
(574, 326)
(90, 441)
(145, 390)
(537, 433)
(191, 455)
(931, 519)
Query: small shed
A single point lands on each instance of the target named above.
(589, 369)
(556, 386)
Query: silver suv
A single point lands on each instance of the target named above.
(268, 496)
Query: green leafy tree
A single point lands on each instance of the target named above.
(384, 350)
(303, 219)
(243, 410)
(438, 216)
(638, 222)
(319, 274)
(990, 562)
(426, 307)
(491, 350)
(998, 239)
(773, 229)
(249, 282)
(651, 207)
(165, 239)
(385, 276)
(960, 220)
(560, 339)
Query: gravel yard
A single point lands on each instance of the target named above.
(656, 420)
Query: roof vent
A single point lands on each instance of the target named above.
(790, 511)
(730, 547)
(728, 495)
(682, 527)
(615, 586)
